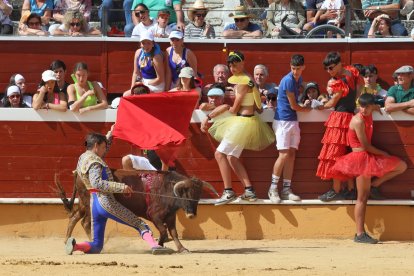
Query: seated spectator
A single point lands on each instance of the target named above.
(149, 64)
(85, 95)
(198, 27)
(62, 6)
(271, 100)
(312, 6)
(401, 96)
(260, 75)
(138, 89)
(242, 27)
(186, 80)
(59, 68)
(6, 25)
(45, 97)
(390, 7)
(43, 8)
(215, 98)
(277, 11)
(312, 97)
(337, 6)
(370, 75)
(14, 97)
(145, 22)
(407, 7)
(161, 28)
(380, 27)
(221, 73)
(20, 81)
(178, 57)
(74, 24)
(32, 25)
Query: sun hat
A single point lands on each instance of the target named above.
(146, 36)
(186, 72)
(176, 34)
(241, 12)
(197, 6)
(48, 75)
(12, 90)
(215, 92)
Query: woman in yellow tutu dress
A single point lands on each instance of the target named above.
(242, 130)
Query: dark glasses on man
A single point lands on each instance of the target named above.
(330, 67)
(75, 24)
(14, 96)
(138, 13)
(200, 15)
(239, 19)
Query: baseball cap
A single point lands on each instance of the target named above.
(176, 34)
(48, 75)
(311, 85)
(146, 36)
(12, 90)
(215, 92)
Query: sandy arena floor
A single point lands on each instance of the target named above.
(22, 256)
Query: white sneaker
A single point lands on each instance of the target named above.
(288, 195)
(227, 197)
(273, 196)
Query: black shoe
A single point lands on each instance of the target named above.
(365, 238)
(376, 194)
(350, 195)
(330, 195)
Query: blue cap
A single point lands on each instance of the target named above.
(215, 92)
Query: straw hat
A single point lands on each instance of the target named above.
(241, 12)
(197, 6)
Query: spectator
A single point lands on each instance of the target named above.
(236, 133)
(59, 68)
(43, 8)
(6, 25)
(63, 6)
(137, 89)
(370, 75)
(14, 97)
(186, 81)
(32, 25)
(401, 96)
(145, 22)
(161, 28)
(178, 57)
(20, 81)
(271, 100)
(380, 27)
(365, 162)
(198, 27)
(277, 11)
(407, 9)
(221, 74)
(149, 65)
(46, 98)
(215, 98)
(287, 131)
(85, 95)
(333, 5)
(312, 97)
(312, 6)
(74, 24)
(242, 27)
(173, 6)
(390, 7)
(260, 75)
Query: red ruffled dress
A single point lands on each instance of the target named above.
(334, 141)
(363, 163)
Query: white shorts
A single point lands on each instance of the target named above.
(287, 134)
(154, 88)
(230, 149)
(141, 163)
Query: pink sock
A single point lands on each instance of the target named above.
(149, 239)
(83, 246)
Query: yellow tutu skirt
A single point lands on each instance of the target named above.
(250, 132)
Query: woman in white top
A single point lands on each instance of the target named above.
(145, 22)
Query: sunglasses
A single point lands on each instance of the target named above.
(15, 96)
(239, 19)
(200, 15)
(77, 24)
(37, 23)
(331, 67)
(138, 13)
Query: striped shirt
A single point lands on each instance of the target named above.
(375, 3)
(192, 31)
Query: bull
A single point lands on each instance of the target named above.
(157, 197)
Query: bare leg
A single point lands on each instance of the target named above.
(239, 170)
(336, 185)
(280, 162)
(289, 164)
(363, 187)
(225, 169)
(351, 185)
(401, 167)
(127, 163)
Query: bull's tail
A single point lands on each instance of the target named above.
(67, 204)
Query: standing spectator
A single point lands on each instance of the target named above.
(74, 24)
(14, 97)
(178, 57)
(161, 28)
(373, 8)
(380, 27)
(260, 74)
(46, 98)
(366, 161)
(345, 84)
(149, 65)
(242, 27)
(59, 68)
(20, 81)
(277, 11)
(286, 127)
(198, 27)
(401, 95)
(43, 8)
(32, 25)
(85, 95)
(243, 130)
(145, 22)
(6, 25)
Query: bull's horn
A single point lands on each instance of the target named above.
(209, 186)
(178, 186)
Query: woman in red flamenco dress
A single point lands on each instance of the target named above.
(364, 162)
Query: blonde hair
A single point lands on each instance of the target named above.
(70, 15)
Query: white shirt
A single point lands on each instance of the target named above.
(139, 28)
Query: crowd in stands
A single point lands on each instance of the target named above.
(280, 19)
